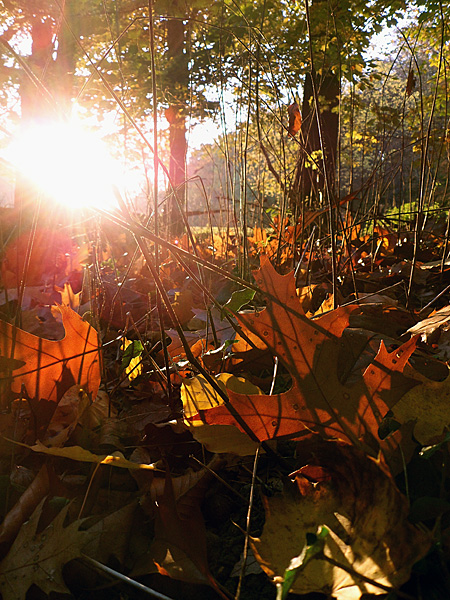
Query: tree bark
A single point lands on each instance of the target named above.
(178, 78)
(309, 179)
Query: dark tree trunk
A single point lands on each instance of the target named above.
(178, 77)
(309, 180)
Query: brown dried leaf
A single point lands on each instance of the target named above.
(438, 320)
(179, 548)
(410, 83)
(66, 416)
(366, 516)
(37, 558)
(25, 506)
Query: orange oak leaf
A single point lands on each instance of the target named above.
(318, 401)
(45, 369)
(295, 119)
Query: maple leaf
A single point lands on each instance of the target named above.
(341, 488)
(47, 369)
(318, 400)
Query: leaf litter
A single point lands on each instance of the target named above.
(344, 418)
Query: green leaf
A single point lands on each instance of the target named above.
(239, 299)
(133, 350)
(312, 547)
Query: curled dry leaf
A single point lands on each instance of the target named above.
(366, 516)
(66, 416)
(49, 368)
(25, 506)
(438, 321)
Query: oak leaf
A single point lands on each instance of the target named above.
(50, 368)
(37, 558)
(318, 400)
(366, 517)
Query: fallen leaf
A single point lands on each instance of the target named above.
(77, 453)
(66, 416)
(298, 563)
(182, 306)
(51, 367)
(179, 547)
(366, 516)
(25, 506)
(68, 297)
(111, 535)
(131, 359)
(439, 320)
(428, 405)
(223, 439)
(318, 400)
(37, 558)
(238, 299)
(100, 410)
(198, 395)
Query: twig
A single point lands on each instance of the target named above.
(247, 528)
(125, 579)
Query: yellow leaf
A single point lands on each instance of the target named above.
(116, 459)
(134, 368)
(197, 394)
(222, 439)
(427, 404)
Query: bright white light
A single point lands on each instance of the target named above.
(68, 164)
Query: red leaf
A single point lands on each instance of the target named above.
(49, 368)
(318, 400)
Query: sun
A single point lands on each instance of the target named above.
(68, 164)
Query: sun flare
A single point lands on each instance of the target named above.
(68, 164)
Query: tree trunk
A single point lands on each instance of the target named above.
(309, 179)
(178, 77)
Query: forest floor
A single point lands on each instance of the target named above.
(279, 413)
